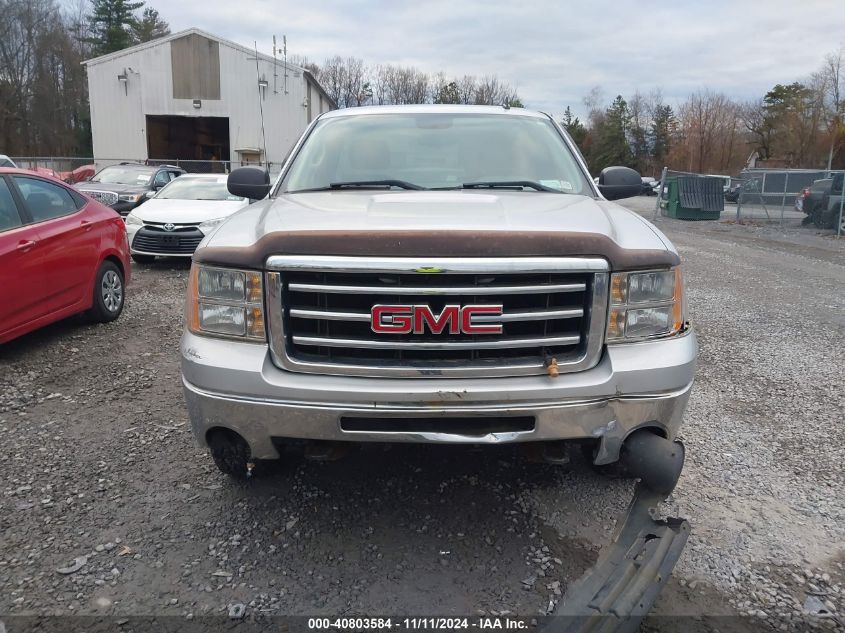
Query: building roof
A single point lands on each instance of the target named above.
(174, 36)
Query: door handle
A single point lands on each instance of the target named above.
(25, 245)
(85, 224)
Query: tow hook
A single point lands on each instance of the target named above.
(552, 368)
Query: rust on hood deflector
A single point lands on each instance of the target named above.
(437, 244)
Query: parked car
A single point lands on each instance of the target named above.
(5, 161)
(124, 186)
(823, 200)
(176, 219)
(80, 174)
(445, 274)
(651, 187)
(61, 253)
(732, 194)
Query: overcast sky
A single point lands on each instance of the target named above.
(553, 51)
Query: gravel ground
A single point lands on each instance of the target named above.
(108, 508)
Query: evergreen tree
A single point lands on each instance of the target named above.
(662, 125)
(111, 24)
(151, 26)
(448, 93)
(577, 130)
(612, 137)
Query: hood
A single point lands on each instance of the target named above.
(438, 224)
(99, 186)
(186, 211)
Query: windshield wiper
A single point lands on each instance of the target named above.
(363, 184)
(509, 184)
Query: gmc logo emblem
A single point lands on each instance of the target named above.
(417, 319)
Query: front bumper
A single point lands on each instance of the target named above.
(235, 385)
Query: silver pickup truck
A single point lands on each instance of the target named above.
(446, 274)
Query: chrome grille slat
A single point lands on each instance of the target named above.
(431, 345)
(442, 290)
(479, 318)
(319, 321)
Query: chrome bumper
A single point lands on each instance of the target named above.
(235, 385)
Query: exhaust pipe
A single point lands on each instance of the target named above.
(654, 460)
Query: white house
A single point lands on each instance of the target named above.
(194, 96)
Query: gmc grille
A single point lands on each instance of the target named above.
(551, 311)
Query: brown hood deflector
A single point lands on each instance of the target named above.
(437, 244)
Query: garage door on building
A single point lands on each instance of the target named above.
(201, 138)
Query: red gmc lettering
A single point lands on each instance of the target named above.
(436, 324)
(419, 319)
(391, 319)
(467, 325)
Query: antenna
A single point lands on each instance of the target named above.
(285, 49)
(275, 74)
(261, 109)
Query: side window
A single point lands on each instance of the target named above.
(161, 179)
(45, 200)
(9, 217)
(175, 174)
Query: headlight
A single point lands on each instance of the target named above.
(134, 219)
(645, 305)
(210, 224)
(226, 302)
(129, 197)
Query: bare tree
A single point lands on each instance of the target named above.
(43, 98)
(467, 87)
(303, 62)
(833, 74)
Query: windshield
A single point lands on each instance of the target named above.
(187, 188)
(5, 162)
(125, 175)
(436, 151)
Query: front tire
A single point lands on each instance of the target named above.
(143, 259)
(109, 293)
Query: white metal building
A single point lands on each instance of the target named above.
(194, 96)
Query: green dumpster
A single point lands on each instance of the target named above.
(693, 197)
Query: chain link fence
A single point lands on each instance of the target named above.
(771, 195)
(786, 197)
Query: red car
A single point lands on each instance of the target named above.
(61, 253)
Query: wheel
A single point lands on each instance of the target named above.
(820, 221)
(109, 294)
(143, 259)
(231, 454)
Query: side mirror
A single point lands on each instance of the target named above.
(150, 194)
(616, 183)
(249, 182)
